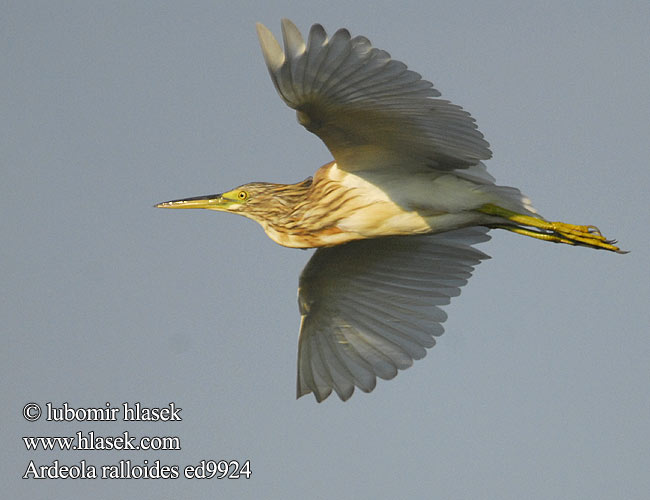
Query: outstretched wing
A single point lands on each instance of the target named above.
(370, 307)
(370, 110)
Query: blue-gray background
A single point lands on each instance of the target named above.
(540, 387)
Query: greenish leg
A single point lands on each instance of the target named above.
(534, 234)
(557, 232)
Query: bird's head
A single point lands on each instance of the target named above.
(260, 201)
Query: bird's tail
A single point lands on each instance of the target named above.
(511, 199)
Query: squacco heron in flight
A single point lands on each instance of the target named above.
(394, 217)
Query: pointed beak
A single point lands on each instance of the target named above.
(213, 201)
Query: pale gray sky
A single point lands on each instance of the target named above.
(540, 386)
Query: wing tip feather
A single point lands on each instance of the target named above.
(294, 44)
(271, 50)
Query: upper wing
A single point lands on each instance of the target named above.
(368, 109)
(370, 307)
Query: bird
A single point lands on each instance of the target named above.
(394, 218)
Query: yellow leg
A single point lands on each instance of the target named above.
(535, 234)
(557, 232)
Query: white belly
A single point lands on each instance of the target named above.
(426, 202)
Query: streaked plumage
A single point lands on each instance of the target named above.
(394, 216)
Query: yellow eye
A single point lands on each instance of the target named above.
(242, 195)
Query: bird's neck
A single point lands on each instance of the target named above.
(304, 220)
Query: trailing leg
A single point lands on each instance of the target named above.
(557, 232)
